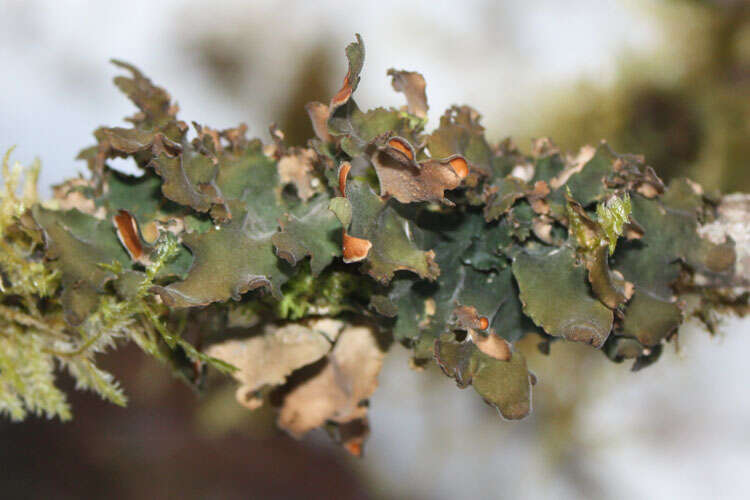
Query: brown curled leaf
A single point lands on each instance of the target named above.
(268, 359)
(413, 86)
(296, 168)
(319, 113)
(339, 390)
(492, 345)
(402, 146)
(128, 141)
(154, 102)
(536, 197)
(353, 249)
(460, 133)
(343, 174)
(127, 231)
(355, 53)
(632, 174)
(410, 182)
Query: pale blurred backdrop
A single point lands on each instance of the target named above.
(669, 79)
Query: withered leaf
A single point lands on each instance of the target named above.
(338, 392)
(269, 358)
(129, 141)
(319, 113)
(409, 181)
(77, 193)
(460, 133)
(355, 54)
(413, 86)
(154, 102)
(296, 168)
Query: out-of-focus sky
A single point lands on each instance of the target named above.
(675, 430)
(56, 84)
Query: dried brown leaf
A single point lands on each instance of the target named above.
(410, 182)
(412, 84)
(267, 359)
(339, 392)
(296, 168)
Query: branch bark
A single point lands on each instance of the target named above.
(733, 222)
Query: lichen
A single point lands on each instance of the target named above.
(437, 240)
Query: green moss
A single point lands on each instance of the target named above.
(329, 294)
(612, 215)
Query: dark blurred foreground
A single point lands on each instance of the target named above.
(156, 448)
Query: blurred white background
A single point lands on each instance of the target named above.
(678, 429)
(56, 85)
